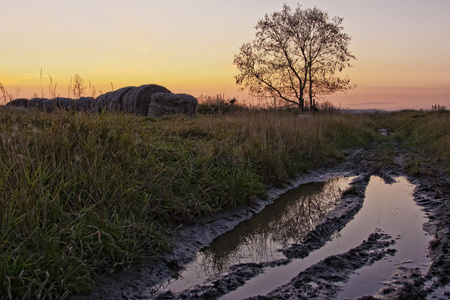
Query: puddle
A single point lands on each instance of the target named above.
(384, 131)
(389, 208)
(260, 238)
(394, 210)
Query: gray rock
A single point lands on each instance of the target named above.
(137, 100)
(20, 102)
(163, 104)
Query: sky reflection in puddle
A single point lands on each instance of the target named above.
(390, 208)
(258, 239)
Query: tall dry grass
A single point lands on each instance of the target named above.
(278, 144)
(85, 194)
(6, 96)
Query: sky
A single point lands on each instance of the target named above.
(402, 47)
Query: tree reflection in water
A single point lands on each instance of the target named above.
(288, 220)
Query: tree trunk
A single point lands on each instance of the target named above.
(311, 104)
(301, 101)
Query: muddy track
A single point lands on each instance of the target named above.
(432, 194)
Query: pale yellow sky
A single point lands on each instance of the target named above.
(402, 47)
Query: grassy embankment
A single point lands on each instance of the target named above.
(84, 194)
(424, 135)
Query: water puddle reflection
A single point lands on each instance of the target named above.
(258, 239)
(390, 208)
(387, 207)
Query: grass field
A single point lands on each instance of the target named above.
(82, 194)
(427, 133)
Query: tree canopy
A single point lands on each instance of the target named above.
(296, 54)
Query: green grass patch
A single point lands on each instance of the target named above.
(82, 195)
(419, 131)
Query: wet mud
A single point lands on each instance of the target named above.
(324, 279)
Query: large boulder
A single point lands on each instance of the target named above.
(20, 102)
(163, 104)
(37, 103)
(58, 103)
(111, 101)
(136, 100)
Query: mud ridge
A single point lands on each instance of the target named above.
(238, 275)
(321, 281)
(336, 220)
(433, 195)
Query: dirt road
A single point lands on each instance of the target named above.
(326, 278)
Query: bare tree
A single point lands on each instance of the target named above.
(295, 53)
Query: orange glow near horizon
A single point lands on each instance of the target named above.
(189, 47)
(375, 96)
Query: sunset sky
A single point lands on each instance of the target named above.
(402, 46)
